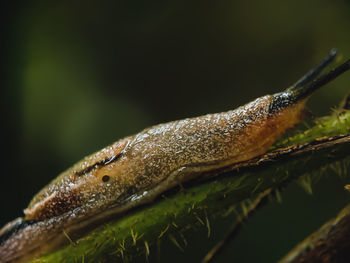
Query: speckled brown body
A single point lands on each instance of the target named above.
(142, 166)
(139, 168)
(144, 160)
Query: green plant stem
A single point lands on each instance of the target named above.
(216, 193)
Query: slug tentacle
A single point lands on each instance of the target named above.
(138, 168)
(314, 72)
(304, 90)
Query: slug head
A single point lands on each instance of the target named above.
(309, 83)
(301, 91)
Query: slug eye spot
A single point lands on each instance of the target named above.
(105, 178)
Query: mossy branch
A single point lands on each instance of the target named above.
(322, 149)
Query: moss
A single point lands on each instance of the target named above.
(335, 124)
(187, 207)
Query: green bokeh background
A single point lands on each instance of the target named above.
(80, 75)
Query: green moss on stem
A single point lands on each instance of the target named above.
(189, 205)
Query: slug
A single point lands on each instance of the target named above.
(137, 169)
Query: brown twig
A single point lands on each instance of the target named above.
(262, 199)
(329, 244)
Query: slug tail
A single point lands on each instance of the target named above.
(13, 227)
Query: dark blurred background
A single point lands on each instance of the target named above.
(78, 75)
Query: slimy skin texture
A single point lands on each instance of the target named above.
(140, 162)
(137, 169)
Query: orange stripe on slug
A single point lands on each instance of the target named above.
(137, 169)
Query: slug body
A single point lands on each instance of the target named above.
(139, 168)
(166, 152)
